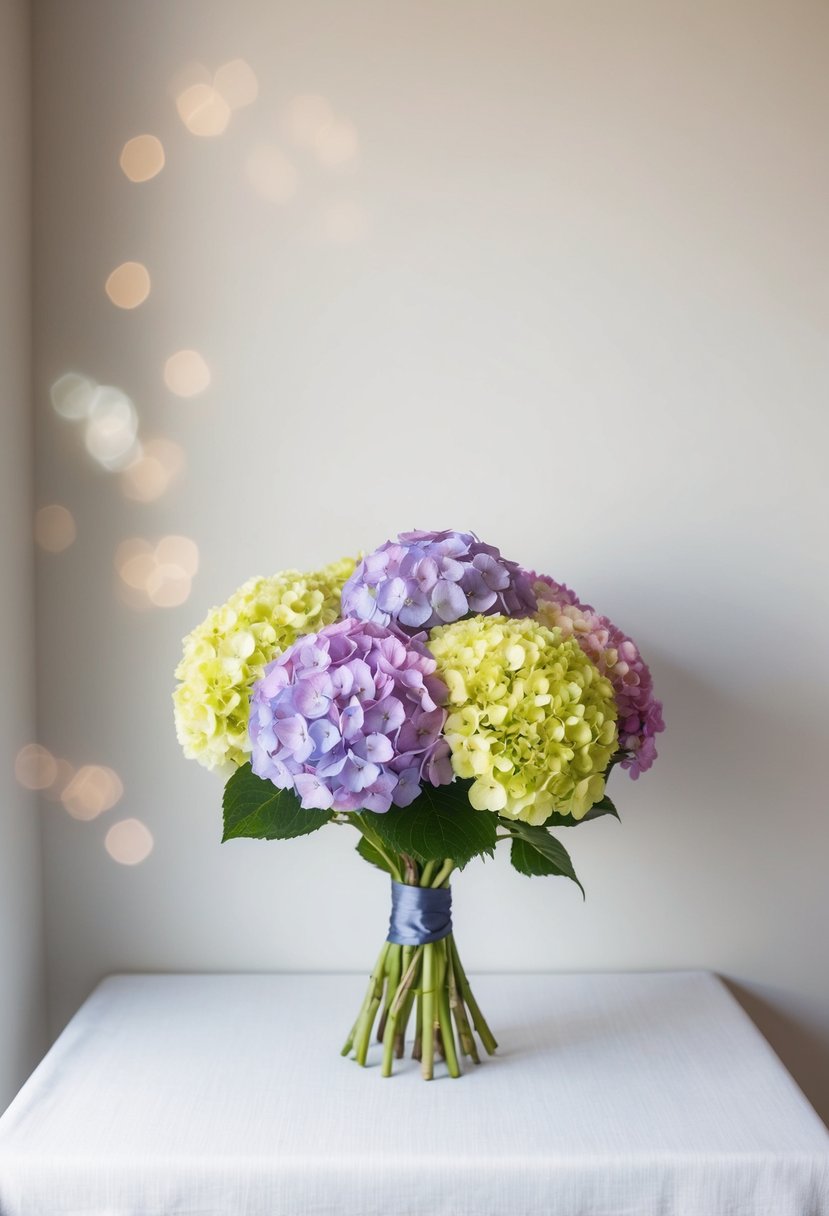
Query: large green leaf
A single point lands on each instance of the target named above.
(439, 823)
(372, 856)
(254, 807)
(536, 853)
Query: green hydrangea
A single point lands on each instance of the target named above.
(531, 720)
(227, 653)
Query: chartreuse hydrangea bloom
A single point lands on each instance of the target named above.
(531, 720)
(227, 653)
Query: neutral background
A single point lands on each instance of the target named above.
(559, 276)
(21, 897)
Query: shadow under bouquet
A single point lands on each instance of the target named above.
(440, 699)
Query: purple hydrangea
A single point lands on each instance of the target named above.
(432, 578)
(350, 718)
(617, 657)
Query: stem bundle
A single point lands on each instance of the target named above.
(429, 981)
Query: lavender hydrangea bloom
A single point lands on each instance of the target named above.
(351, 719)
(433, 578)
(617, 657)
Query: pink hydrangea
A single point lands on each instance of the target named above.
(617, 657)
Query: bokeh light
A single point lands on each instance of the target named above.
(305, 116)
(142, 158)
(151, 473)
(92, 790)
(271, 174)
(203, 110)
(112, 428)
(158, 575)
(135, 562)
(64, 772)
(54, 528)
(128, 285)
(186, 374)
(178, 551)
(236, 82)
(111, 424)
(35, 767)
(336, 143)
(310, 121)
(168, 586)
(129, 842)
(72, 395)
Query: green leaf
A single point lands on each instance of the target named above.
(369, 853)
(256, 808)
(440, 823)
(536, 853)
(603, 807)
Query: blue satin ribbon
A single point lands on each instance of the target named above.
(419, 914)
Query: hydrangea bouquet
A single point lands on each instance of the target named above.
(440, 699)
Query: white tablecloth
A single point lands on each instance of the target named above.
(611, 1095)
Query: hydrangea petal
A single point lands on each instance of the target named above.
(358, 747)
(211, 699)
(532, 722)
(447, 574)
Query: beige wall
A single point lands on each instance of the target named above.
(21, 929)
(570, 292)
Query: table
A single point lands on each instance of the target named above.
(225, 1095)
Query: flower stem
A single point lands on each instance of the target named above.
(370, 1006)
(467, 1038)
(399, 1010)
(443, 873)
(377, 844)
(478, 1019)
(444, 1015)
(427, 873)
(393, 968)
(430, 980)
(427, 1059)
(417, 1049)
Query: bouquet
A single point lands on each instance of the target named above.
(438, 698)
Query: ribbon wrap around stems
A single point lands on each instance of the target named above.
(419, 914)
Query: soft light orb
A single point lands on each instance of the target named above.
(237, 83)
(128, 285)
(186, 374)
(35, 767)
(92, 790)
(151, 473)
(168, 586)
(64, 772)
(203, 110)
(161, 573)
(135, 562)
(54, 528)
(142, 158)
(72, 396)
(129, 842)
(112, 428)
(305, 116)
(178, 551)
